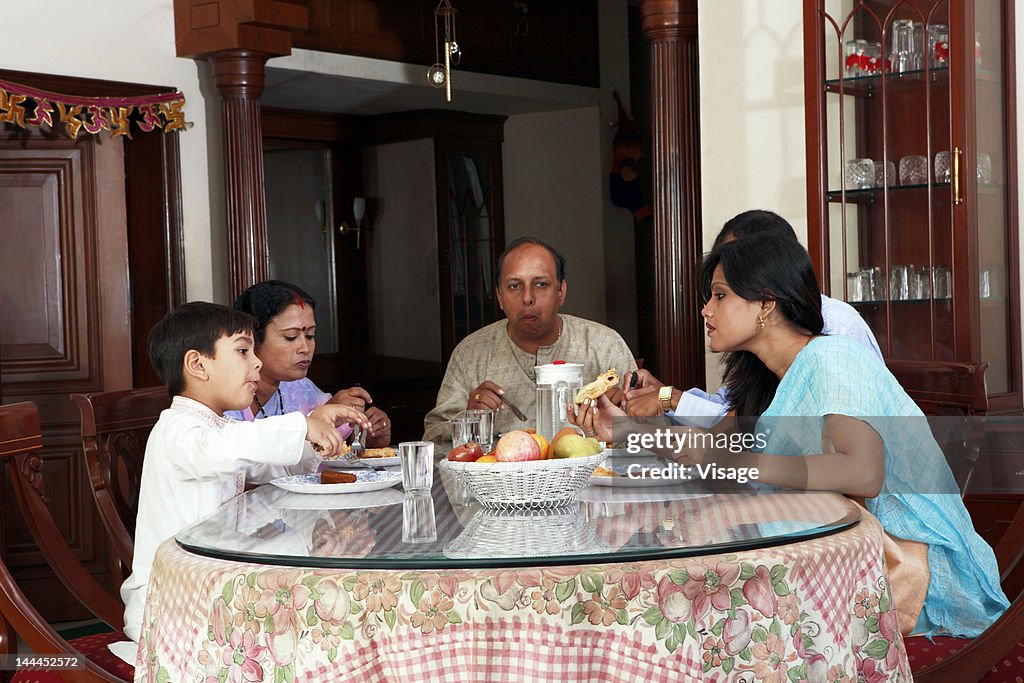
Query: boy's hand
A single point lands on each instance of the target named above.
(337, 414)
(323, 435)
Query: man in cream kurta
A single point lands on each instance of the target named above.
(497, 362)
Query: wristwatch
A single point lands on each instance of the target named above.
(665, 398)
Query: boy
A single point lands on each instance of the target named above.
(196, 459)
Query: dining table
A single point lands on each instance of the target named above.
(654, 581)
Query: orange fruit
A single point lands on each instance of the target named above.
(487, 458)
(562, 432)
(529, 430)
(545, 447)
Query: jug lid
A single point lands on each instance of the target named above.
(552, 372)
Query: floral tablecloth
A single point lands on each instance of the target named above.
(819, 610)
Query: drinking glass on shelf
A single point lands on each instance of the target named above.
(943, 170)
(888, 169)
(860, 174)
(914, 170)
(938, 45)
(984, 168)
(899, 283)
(873, 59)
(942, 282)
(855, 57)
(920, 281)
(855, 286)
(902, 47)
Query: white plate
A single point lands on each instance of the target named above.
(368, 480)
(376, 462)
(339, 501)
(622, 479)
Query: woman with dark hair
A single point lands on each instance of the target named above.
(830, 401)
(285, 342)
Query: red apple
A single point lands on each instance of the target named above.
(516, 446)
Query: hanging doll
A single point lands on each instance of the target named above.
(627, 150)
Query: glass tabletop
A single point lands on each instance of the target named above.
(386, 529)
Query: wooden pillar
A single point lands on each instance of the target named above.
(238, 37)
(671, 28)
(238, 75)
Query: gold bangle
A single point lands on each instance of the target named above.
(665, 398)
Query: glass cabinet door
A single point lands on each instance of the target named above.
(915, 229)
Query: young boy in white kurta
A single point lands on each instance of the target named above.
(196, 459)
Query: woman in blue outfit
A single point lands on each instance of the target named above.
(857, 430)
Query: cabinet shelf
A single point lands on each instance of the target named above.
(867, 86)
(879, 302)
(868, 196)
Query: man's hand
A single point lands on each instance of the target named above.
(644, 380)
(380, 426)
(487, 395)
(356, 397)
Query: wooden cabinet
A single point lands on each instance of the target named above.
(911, 176)
(551, 40)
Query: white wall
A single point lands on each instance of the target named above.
(124, 40)
(553, 190)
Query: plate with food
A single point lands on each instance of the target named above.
(378, 457)
(619, 475)
(339, 501)
(330, 481)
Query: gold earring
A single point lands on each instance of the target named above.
(761, 322)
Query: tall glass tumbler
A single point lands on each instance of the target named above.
(903, 53)
(417, 465)
(485, 433)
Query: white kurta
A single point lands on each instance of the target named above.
(195, 461)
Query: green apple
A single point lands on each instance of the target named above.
(573, 446)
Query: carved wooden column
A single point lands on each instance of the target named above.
(238, 75)
(671, 28)
(238, 37)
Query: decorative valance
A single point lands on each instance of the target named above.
(25, 106)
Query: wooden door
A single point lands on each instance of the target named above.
(65, 326)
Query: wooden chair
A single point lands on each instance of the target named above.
(995, 655)
(20, 439)
(949, 390)
(115, 426)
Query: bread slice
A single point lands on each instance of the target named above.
(333, 477)
(604, 382)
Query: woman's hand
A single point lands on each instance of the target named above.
(355, 397)
(595, 417)
(380, 426)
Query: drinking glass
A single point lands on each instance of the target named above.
(902, 48)
(418, 522)
(417, 465)
(938, 45)
(860, 174)
(873, 58)
(899, 283)
(942, 282)
(485, 437)
(884, 170)
(465, 428)
(943, 171)
(914, 170)
(855, 50)
(854, 286)
(984, 168)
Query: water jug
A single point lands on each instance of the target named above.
(557, 385)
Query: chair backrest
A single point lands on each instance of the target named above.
(20, 439)
(954, 397)
(115, 427)
(943, 387)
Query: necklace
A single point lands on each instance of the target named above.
(263, 411)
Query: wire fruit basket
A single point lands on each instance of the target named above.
(526, 533)
(531, 484)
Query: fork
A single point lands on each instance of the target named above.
(357, 449)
